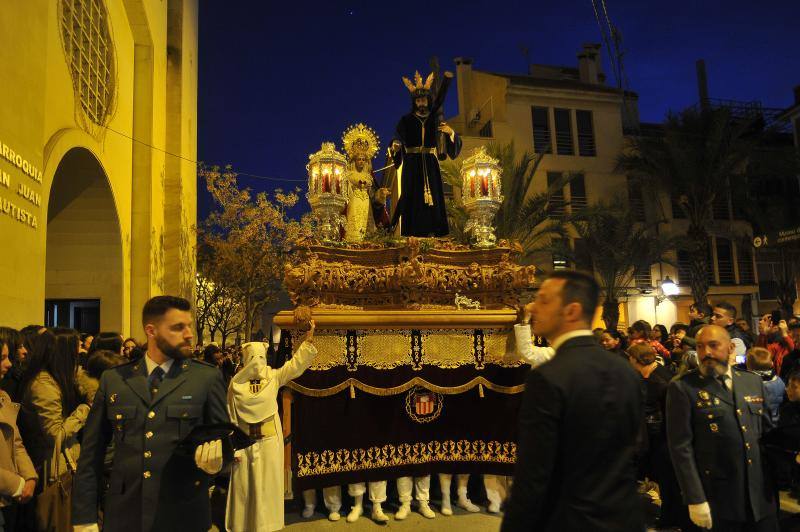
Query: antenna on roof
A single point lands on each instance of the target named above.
(526, 54)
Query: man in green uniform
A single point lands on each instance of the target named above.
(147, 408)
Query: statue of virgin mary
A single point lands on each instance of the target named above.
(361, 145)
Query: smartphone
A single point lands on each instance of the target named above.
(776, 317)
(741, 359)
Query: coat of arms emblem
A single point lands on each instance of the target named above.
(423, 406)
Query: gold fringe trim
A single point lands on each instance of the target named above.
(327, 462)
(396, 390)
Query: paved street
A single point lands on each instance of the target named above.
(464, 521)
(480, 522)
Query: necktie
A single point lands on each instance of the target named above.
(725, 381)
(154, 380)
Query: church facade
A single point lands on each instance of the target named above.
(98, 188)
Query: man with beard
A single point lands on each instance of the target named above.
(147, 408)
(420, 208)
(715, 419)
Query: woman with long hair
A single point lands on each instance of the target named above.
(17, 474)
(16, 358)
(641, 334)
(659, 334)
(53, 407)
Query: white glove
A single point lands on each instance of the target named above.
(208, 457)
(700, 514)
(86, 528)
(81, 412)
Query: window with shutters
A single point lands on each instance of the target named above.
(642, 277)
(677, 211)
(720, 208)
(725, 262)
(577, 193)
(563, 132)
(555, 207)
(684, 267)
(560, 261)
(636, 199)
(744, 256)
(583, 259)
(710, 277)
(586, 144)
(542, 142)
(769, 267)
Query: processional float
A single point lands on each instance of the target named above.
(407, 380)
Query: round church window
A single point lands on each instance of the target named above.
(90, 54)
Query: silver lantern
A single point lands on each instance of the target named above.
(328, 190)
(481, 194)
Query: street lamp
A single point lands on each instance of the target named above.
(668, 289)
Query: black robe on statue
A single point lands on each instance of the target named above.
(419, 219)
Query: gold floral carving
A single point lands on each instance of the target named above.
(408, 276)
(346, 460)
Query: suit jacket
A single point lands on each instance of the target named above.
(153, 484)
(578, 427)
(713, 437)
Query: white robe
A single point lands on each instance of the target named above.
(255, 496)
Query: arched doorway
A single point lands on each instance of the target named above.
(84, 276)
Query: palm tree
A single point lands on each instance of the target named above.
(524, 216)
(701, 154)
(615, 246)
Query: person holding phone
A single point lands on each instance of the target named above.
(774, 336)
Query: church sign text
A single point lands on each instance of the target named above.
(11, 207)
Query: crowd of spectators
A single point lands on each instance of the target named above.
(53, 374)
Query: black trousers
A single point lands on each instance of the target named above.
(769, 524)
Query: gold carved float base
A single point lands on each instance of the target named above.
(419, 274)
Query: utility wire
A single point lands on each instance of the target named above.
(606, 41)
(614, 35)
(198, 164)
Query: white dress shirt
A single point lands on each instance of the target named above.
(151, 364)
(533, 355)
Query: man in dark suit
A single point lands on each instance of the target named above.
(580, 418)
(147, 408)
(715, 418)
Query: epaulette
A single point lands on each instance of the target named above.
(694, 371)
(203, 362)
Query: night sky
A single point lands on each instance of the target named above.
(278, 78)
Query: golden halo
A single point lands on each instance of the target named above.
(360, 140)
